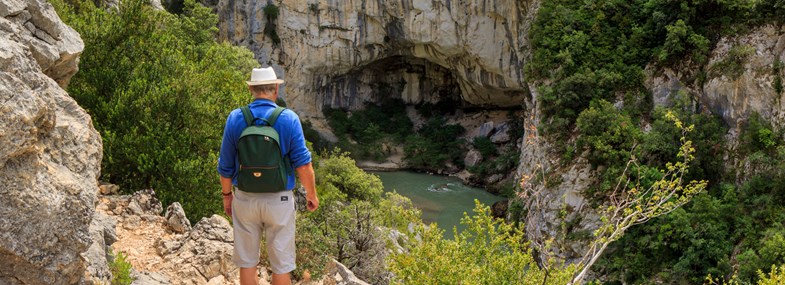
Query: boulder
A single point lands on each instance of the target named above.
(339, 274)
(501, 135)
(143, 203)
(108, 188)
(50, 153)
(484, 130)
(204, 253)
(473, 157)
(176, 219)
(494, 178)
(149, 278)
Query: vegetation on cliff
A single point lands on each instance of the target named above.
(591, 58)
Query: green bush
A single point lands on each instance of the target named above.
(353, 222)
(373, 129)
(434, 145)
(489, 251)
(121, 270)
(759, 136)
(271, 27)
(158, 88)
(339, 178)
(484, 146)
(607, 134)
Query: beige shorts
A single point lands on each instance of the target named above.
(272, 212)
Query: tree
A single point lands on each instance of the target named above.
(632, 203)
(158, 88)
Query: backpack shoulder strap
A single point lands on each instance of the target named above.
(247, 115)
(274, 116)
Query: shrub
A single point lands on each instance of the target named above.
(489, 251)
(608, 134)
(733, 63)
(339, 178)
(158, 88)
(484, 146)
(434, 145)
(353, 223)
(271, 27)
(121, 270)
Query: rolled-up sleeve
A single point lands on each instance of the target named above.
(298, 151)
(228, 156)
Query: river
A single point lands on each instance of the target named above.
(442, 199)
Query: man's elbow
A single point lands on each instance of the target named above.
(305, 166)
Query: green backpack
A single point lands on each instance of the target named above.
(262, 165)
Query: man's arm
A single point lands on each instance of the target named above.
(226, 190)
(308, 179)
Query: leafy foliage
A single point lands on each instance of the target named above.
(489, 251)
(598, 49)
(607, 134)
(373, 128)
(484, 146)
(121, 270)
(155, 84)
(728, 227)
(353, 222)
(434, 145)
(271, 27)
(635, 200)
(339, 178)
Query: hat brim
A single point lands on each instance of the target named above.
(264, 82)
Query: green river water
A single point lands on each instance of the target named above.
(443, 200)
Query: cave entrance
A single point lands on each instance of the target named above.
(415, 81)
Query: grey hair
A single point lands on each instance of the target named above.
(268, 89)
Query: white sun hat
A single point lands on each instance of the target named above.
(263, 76)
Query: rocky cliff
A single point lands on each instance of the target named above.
(49, 151)
(741, 76)
(342, 54)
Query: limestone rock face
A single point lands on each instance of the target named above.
(50, 152)
(341, 54)
(102, 231)
(552, 193)
(735, 96)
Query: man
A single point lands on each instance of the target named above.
(274, 212)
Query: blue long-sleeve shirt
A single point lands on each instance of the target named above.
(288, 127)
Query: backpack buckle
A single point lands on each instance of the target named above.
(266, 138)
(257, 174)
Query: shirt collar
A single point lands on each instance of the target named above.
(263, 102)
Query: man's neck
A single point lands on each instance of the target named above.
(264, 98)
